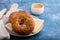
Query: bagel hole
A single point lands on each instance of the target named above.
(22, 22)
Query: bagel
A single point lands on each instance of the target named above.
(22, 22)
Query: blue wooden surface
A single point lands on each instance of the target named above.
(51, 16)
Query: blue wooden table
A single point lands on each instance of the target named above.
(51, 16)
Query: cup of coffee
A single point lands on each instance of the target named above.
(37, 8)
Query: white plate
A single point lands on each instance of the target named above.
(38, 25)
(37, 29)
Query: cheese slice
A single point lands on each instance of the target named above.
(38, 24)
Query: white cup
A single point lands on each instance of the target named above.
(37, 8)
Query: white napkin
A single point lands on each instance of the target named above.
(12, 8)
(3, 32)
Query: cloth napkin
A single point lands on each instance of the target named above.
(4, 34)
